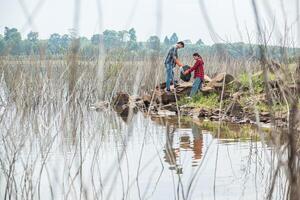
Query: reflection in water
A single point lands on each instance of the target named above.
(171, 153)
(198, 142)
(136, 159)
(187, 142)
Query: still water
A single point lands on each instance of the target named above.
(159, 158)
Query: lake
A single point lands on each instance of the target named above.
(98, 155)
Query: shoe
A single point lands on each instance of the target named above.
(168, 92)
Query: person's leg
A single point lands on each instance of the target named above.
(200, 85)
(195, 87)
(174, 81)
(169, 75)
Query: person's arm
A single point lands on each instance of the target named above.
(177, 61)
(192, 68)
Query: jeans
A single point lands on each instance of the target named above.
(196, 86)
(169, 75)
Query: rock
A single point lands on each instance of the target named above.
(194, 112)
(220, 78)
(265, 114)
(140, 104)
(218, 81)
(207, 79)
(164, 98)
(207, 90)
(161, 86)
(168, 98)
(244, 121)
(120, 99)
(265, 119)
(235, 109)
(216, 112)
(215, 85)
(186, 110)
(170, 107)
(184, 89)
(203, 113)
(124, 106)
(147, 100)
(214, 117)
(166, 113)
(124, 110)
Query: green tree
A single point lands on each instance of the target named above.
(173, 39)
(33, 36)
(200, 42)
(111, 39)
(153, 42)
(30, 45)
(65, 42)
(123, 36)
(166, 41)
(132, 35)
(96, 39)
(132, 44)
(12, 40)
(2, 45)
(54, 45)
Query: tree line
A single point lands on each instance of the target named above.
(12, 43)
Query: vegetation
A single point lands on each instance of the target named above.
(126, 40)
(210, 101)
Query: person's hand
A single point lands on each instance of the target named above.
(186, 72)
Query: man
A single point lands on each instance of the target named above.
(170, 63)
(198, 74)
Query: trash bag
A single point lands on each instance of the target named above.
(185, 78)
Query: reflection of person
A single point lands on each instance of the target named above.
(198, 74)
(198, 142)
(170, 62)
(170, 152)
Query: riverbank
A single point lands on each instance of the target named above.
(240, 100)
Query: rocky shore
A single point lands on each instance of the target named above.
(235, 103)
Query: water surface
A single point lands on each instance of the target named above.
(108, 158)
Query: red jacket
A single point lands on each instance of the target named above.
(198, 68)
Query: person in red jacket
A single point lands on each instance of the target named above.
(198, 69)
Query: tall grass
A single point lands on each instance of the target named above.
(45, 103)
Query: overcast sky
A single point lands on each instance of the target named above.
(152, 17)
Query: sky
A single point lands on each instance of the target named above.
(232, 20)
